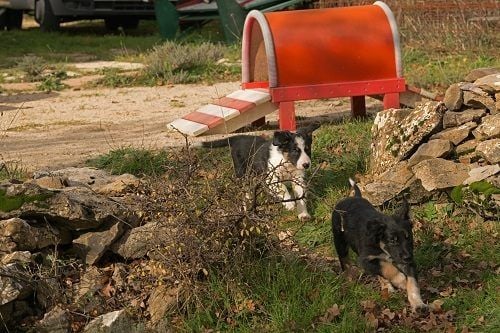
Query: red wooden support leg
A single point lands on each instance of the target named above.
(391, 101)
(358, 106)
(287, 116)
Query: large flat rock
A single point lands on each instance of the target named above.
(438, 173)
(397, 133)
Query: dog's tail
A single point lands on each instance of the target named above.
(357, 192)
(217, 143)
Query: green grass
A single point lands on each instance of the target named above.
(187, 60)
(138, 162)
(278, 294)
(83, 41)
(342, 151)
(437, 70)
(9, 203)
(61, 47)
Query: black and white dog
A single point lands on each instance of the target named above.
(384, 243)
(284, 159)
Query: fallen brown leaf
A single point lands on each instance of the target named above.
(447, 292)
(368, 305)
(108, 290)
(436, 306)
(371, 319)
(388, 313)
(384, 294)
(330, 314)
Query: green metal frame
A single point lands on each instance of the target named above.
(230, 13)
(167, 18)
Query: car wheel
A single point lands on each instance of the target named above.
(111, 23)
(3, 18)
(45, 16)
(130, 23)
(10, 19)
(126, 22)
(14, 19)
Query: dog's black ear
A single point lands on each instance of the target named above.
(282, 138)
(375, 230)
(309, 129)
(403, 212)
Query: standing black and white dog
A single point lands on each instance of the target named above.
(284, 159)
(384, 243)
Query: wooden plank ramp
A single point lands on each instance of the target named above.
(226, 114)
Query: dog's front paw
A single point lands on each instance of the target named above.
(304, 216)
(419, 307)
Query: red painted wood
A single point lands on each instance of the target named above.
(391, 101)
(232, 103)
(187, 3)
(331, 45)
(253, 85)
(203, 118)
(340, 89)
(287, 116)
(358, 106)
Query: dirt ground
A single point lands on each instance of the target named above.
(51, 130)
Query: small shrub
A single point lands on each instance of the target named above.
(138, 162)
(33, 66)
(112, 78)
(204, 203)
(53, 82)
(477, 198)
(183, 63)
(12, 170)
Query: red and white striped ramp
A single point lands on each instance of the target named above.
(226, 114)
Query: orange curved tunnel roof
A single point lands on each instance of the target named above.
(309, 47)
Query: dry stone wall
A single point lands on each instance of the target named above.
(451, 146)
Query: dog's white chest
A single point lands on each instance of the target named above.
(280, 167)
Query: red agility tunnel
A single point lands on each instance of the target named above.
(323, 53)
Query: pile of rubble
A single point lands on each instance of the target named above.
(47, 222)
(451, 146)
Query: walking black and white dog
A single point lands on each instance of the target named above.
(284, 159)
(384, 243)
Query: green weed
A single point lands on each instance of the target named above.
(53, 82)
(186, 63)
(33, 66)
(112, 78)
(12, 170)
(9, 203)
(138, 162)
